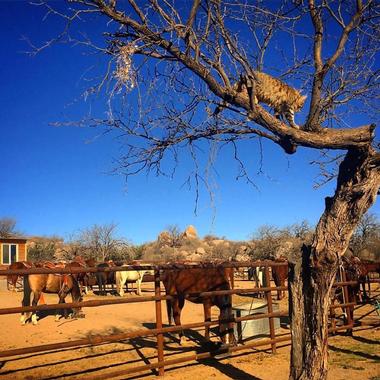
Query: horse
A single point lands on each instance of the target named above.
(122, 277)
(280, 274)
(351, 269)
(365, 269)
(257, 274)
(12, 279)
(104, 278)
(60, 284)
(82, 277)
(184, 283)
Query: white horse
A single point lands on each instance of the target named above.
(130, 275)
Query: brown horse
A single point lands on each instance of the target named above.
(280, 275)
(81, 277)
(104, 278)
(186, 283)
(365, 269)
(351, 269)
(61, 284)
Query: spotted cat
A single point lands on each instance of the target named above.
(285, 100)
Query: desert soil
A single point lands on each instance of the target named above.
(354, 357)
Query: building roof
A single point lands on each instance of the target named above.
(12, 238)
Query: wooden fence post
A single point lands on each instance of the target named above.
(160, 337)
(270, 309)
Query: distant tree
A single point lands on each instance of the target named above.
(366, 235)
(72, 248)
(138, 251)
(302, 230)
(100, 242)
(43, 250)
(175, 236)
(8, 227)
(269, 241)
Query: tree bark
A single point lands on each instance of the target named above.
(312, 271)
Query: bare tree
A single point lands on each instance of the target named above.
(7, 227)
(301, 230)
(175, 236)
(182, 63)
(272, 242)
(100, 242)
(367, 234)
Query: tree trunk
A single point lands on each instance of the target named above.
(312, 272)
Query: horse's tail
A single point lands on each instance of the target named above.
(26, 300)
(27, 291)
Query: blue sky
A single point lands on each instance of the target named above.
(57, 180)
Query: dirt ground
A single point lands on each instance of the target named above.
(354, 357)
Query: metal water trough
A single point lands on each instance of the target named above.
(256, 327)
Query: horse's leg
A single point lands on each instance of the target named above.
(261, 282)
(138, 286)
(123, 281)
(112, 281)
(207, 315)
(85, 284)
(281, 294)
(36, 297)
(368, 281)
(102, 286)
(364, 282)
(226, 328)
(119, 284)
(132, 287)
(105, 288)
(58, 314)
(177, 305)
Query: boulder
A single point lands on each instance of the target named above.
(217, 242)
(190, 232)
(200, 251)
(164, 237)
(242, 257)
(195, 257)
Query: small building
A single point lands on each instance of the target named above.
(12, 249)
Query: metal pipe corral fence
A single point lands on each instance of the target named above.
(159, 330)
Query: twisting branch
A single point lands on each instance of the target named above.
(322, 68)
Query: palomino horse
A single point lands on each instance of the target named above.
(130, 275)
(61, 284)
(185, 283)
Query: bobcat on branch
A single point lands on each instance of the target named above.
(285, 100)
